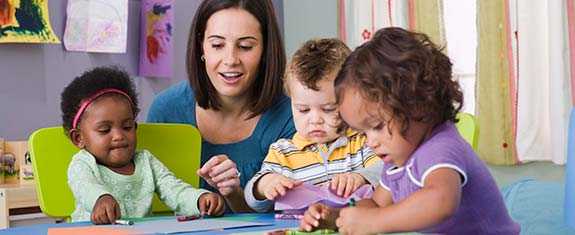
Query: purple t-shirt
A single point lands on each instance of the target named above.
(481, 210)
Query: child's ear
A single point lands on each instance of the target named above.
(76, 138)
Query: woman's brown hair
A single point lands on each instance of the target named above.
(267, 87)
(406, 73)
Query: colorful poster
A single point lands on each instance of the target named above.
(96, 26)
(25, 21)
(156, 45)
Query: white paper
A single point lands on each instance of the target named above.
(96, 26)
(173, 226)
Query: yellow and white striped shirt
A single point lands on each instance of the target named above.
(302, 160)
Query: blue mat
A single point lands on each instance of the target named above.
(537, 206)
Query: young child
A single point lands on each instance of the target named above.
(319, 152)
(108, 178)
(398, 89)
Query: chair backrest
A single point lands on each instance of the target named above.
(178, 146)
(467, 127)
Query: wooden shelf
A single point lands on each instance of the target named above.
(13, 196)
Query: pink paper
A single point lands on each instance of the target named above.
(303, 196)
(156, 42)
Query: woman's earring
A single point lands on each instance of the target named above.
(203, 58)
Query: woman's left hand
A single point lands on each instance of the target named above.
(221, 173)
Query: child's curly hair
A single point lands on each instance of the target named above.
(315, 59)
(406, 73)
(88, 84)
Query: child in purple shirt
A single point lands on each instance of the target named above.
(398, 89)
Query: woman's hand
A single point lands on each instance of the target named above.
(274, 185)
(221, 173)
(211, 204)
(345, 184)
(106, 210)
(318, 216)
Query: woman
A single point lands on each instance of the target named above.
(235, 60)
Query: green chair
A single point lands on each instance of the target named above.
(467, 127)
(175, 145)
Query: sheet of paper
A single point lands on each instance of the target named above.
(156, 40)
(96, 26)
(304, 195)
(162, 226)
(173, 226)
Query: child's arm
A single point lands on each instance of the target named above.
(177, 194)
(87, 187)
(265, 182)
(434, 203)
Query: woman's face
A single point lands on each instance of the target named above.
(232, 48)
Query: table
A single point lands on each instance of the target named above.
(265, 218)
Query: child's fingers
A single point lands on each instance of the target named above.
(349, 187)
(220, 208)
(110, 217)
(308, 223)
(271, 194)
(287, 183)
(334, 183)
(202, 205)
(209, 207)
(281, 189)
(342, 182)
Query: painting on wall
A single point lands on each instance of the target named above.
(96, 26)
(156, 45)
(25, 21)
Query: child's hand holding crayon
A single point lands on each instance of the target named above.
(211, 204)
(318, 216)
(106, 210)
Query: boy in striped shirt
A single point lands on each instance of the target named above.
(321, 151)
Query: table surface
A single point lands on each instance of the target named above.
(264, 218)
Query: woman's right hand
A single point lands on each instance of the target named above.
(221, 173)
(318, 216)
(274, 185)
(106, 210)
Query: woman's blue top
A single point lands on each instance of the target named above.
(177, 104)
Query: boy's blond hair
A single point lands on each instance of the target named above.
(313, 61)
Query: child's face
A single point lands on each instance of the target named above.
(108, 131)
(386, 141)
(315, 113)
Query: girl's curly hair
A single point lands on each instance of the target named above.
(89, 83)
(406, 74)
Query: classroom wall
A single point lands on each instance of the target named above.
(33, 75)
(305, 19)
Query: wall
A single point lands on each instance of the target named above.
(305, 19)
(33, 75)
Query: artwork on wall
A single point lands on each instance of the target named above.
(25, 21)
(96, 26)
(156, 45)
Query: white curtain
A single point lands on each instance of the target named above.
(543, 98)
(361, 18)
